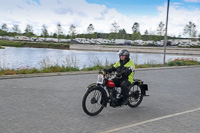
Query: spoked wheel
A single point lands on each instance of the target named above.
(92, 102)
(135, 96)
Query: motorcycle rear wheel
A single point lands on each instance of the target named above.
(92, 101)
(135, 97)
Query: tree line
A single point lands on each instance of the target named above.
(115, 33)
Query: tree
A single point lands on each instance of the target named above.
(44, 31)
(146, 32)
(146, 35)
(136, 27)
(3, 30)
(199, 37)
(122, 34)
(136, 32)
(179, 36)
(90, 29)
(54, 35)
(16, 29)
(29, 30)
(72, 31)
(4, 27)
(114, 31)
(190, 30)
(59, 31)
(161, 29)
(115, 27)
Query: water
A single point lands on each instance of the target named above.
(16, 58)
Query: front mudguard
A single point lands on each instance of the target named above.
(90, 86)
(100, 88)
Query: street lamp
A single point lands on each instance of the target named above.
(165, 43)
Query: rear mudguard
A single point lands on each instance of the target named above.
(104, 93)
(144, 87)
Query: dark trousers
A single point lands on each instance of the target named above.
(124, 84)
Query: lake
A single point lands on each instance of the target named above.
(16, 58)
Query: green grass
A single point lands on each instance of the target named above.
(97, 66)
(34, 70)
(1, 47)
(34, 44)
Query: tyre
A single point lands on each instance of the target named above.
(92, 102)
(135, 96)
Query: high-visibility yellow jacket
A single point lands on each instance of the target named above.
(127, 69)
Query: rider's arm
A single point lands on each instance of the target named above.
(111, 69)
(127, 71)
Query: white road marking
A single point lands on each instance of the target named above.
(151, 120)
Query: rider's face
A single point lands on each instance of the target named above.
(122, 57)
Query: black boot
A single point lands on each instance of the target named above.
(125, 101)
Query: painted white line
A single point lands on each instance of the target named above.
(151, 120)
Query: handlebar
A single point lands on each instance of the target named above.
(108, 75)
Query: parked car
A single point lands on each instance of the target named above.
(184, 45)
(41, 39)
(119, 41)
(33, 39)
(64, 40)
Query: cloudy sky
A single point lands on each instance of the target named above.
(100, 13)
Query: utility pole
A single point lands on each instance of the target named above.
(165, 43)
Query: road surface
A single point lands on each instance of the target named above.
(53, 105)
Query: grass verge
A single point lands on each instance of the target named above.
(57, 68)
(34, 44)
(1, 47)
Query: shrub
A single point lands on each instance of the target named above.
(10, 72)
(183, 62)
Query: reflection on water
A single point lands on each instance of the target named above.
(12, 57)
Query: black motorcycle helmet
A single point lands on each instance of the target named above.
(124, 52)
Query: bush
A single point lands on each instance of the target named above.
(9, 72)
(183, 62)
(1, 47)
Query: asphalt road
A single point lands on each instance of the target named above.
(53, 105)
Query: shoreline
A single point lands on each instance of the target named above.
(3, 77)
(107, 48)
(136, 49)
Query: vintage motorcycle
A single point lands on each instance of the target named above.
(99, 94)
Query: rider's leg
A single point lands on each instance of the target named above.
(124, 87)
(117, 82)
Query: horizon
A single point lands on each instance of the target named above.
(100, 13)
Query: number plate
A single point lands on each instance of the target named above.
(100, 79)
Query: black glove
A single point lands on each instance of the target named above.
(118, 74)
(105, 70)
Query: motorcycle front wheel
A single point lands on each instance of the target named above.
(92, 101)
(135, 96)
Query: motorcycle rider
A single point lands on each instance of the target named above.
(125, 69)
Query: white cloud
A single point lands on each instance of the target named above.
(195, 1)
(178, 18)
(81, 14)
